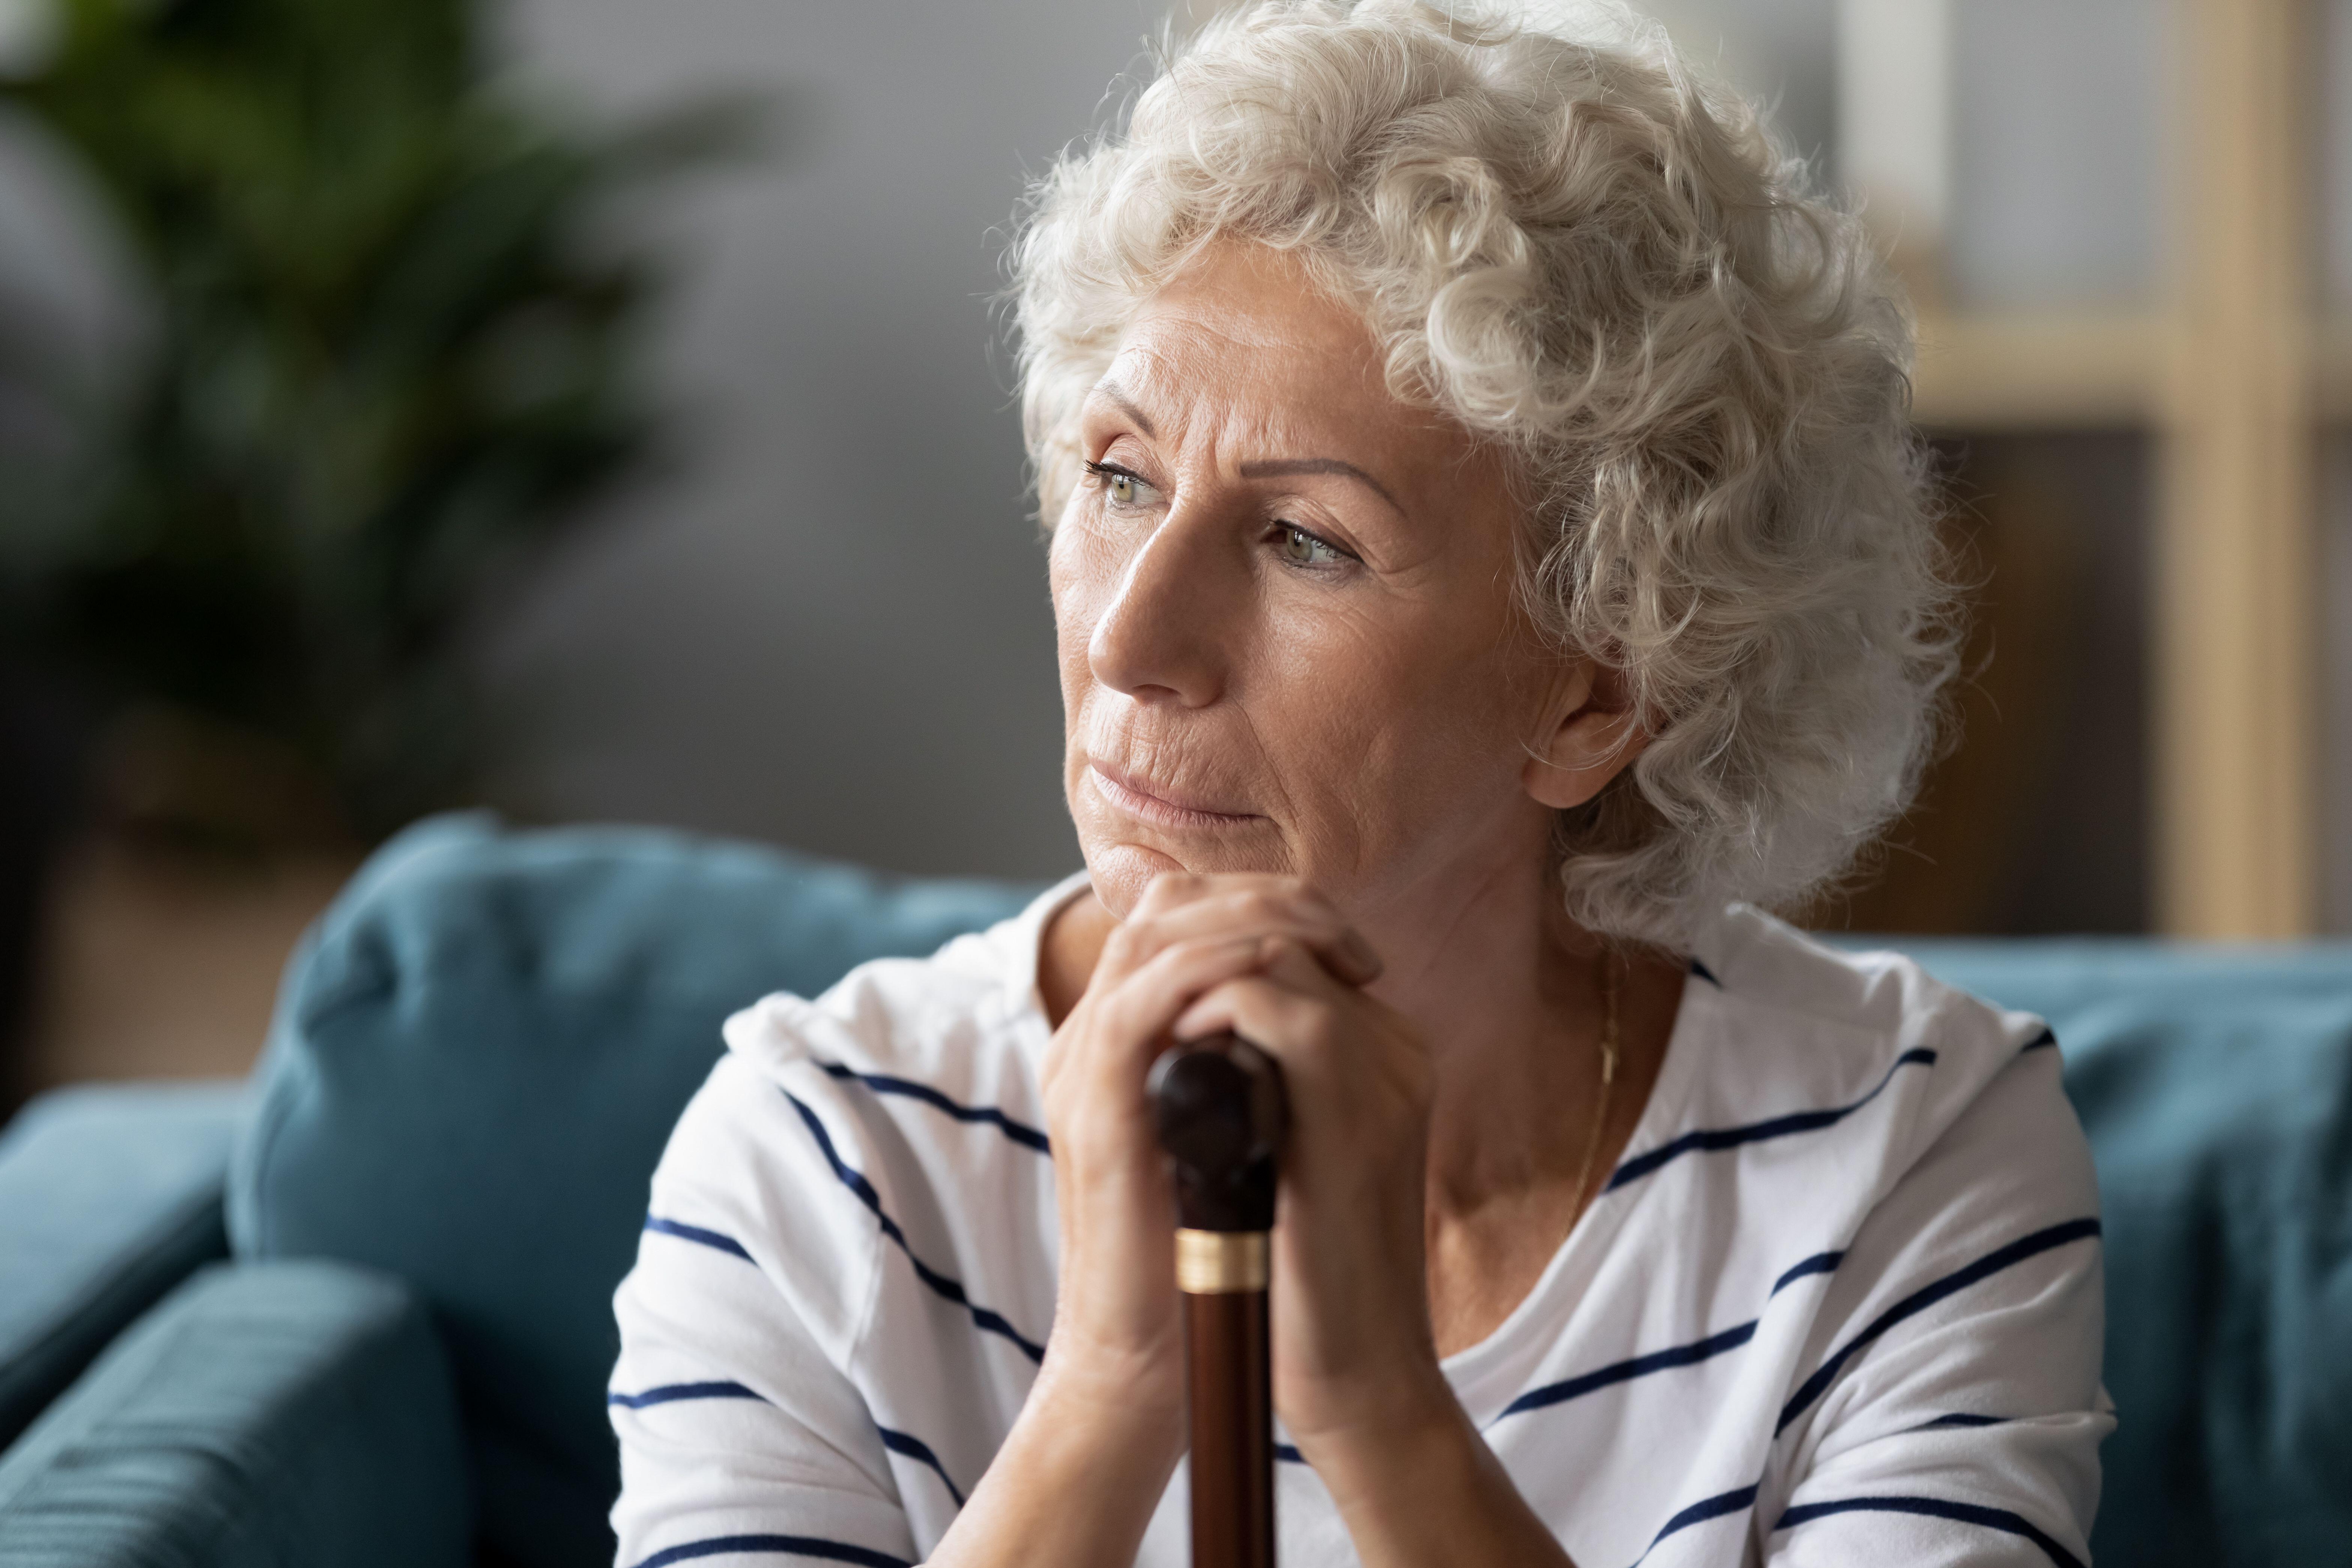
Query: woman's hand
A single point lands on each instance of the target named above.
(1355, 1361)
(1116, 1337)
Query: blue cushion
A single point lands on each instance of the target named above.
(110, 1196)
(262, 1417)
(2216, 1087)
(479, 1055)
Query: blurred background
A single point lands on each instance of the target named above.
(601, 411)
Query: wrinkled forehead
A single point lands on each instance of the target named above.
(1242, 346)
(1226, 331)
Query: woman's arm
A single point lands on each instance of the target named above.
(732, 1419)
(1954, 1414)
(1076, 1479)
(1090, 1455)
(1436, 1495)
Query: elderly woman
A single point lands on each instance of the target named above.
(1490, 566)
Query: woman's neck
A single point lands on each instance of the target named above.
(1510, 994)
(1512, 998)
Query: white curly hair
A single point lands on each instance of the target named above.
(1566, 240)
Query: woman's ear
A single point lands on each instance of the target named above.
(1591, 734)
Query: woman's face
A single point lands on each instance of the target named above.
(1284, 599)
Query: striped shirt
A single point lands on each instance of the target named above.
(1840, 1302)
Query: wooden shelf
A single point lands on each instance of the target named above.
(2054, 372)
(1991, 373)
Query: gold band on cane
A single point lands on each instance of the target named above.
(1219, 1263)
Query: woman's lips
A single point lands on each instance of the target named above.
(1130, 795)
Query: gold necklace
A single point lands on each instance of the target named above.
(1608, 1077)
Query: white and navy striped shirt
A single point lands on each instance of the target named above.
(1839, 1303)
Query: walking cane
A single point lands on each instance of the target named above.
(1220, 1112)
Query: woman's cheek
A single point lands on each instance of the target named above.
(1083, 571)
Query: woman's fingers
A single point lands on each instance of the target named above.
(1180, 908)
(1290, 1006)
(1139, 1013)
(1106, 1051)
(1293, 993)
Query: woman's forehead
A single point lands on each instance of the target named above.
(1182, 388)
(1262, 349)
(1238, 298)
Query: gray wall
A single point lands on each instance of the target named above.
(2058, 153)
(827, 624)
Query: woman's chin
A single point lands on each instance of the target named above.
(1123, 868)
(1121, 871)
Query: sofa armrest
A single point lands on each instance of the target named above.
(264, 1414)
(109, 1197)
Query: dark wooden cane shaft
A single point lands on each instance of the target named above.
(1232, 1405)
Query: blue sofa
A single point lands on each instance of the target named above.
(356, 1313)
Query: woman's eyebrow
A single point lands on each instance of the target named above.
(1281, 467)
(1110, 392)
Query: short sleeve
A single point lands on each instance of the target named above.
(1950, 1410)
(736, 1420)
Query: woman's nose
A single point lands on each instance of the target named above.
(1160, 637)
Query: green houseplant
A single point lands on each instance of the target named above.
(390, 364)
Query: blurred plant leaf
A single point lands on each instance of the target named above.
(392, 366)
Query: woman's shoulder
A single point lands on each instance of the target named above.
(1878, 1004)
(1864, 1046)
(901, 1107)
(965, 1014)
(906, 1072)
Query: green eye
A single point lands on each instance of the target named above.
(1121, 488)
(1301, 548)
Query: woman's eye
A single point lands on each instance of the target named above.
(1125, 489)
(1301, 548)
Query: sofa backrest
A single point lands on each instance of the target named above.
(478, 1054)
